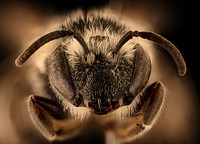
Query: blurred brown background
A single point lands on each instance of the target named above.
(23, 21)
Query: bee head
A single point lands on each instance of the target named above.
(100, 73)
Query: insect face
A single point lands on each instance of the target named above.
(100, 78)
(99, 69)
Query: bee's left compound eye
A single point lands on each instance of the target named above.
(60, 77)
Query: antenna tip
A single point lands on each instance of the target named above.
(18, 62)
(182, 70)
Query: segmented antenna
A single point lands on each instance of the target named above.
(45, 39)
(163, 42)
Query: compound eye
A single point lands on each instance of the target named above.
(141, 72)
(59, 76)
